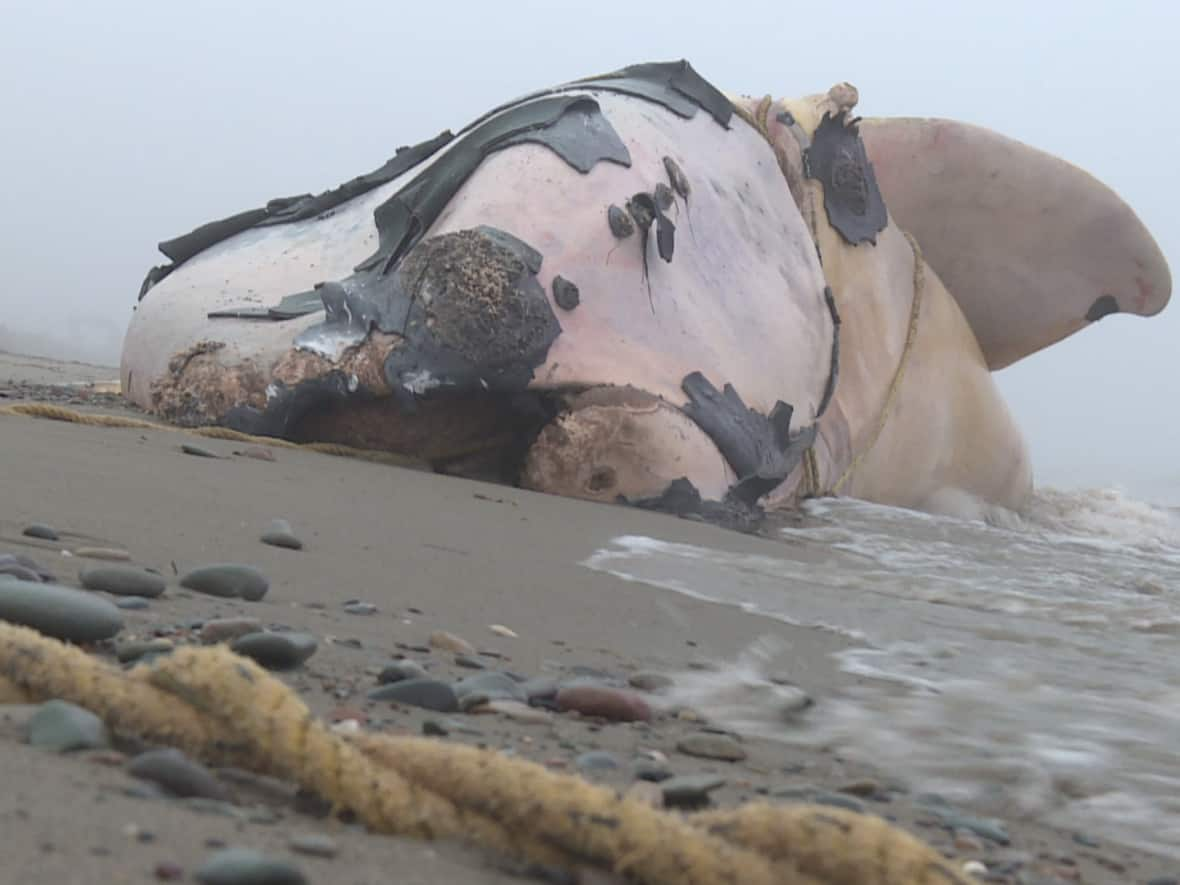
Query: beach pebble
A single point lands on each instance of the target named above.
(430, 694)
(177, 773)
(40, 531)
(469, 662)
(132, 603)
(43, 574)
(646, 769)
(60, 612)
(167, 871)
(396, 671)
(199, 451)
(227, 580)
(279, 534)
(445, 641)
(540, 688)
(134, 649)
(865, 788)
(276, 651)
(242, 866)
(501, 630)
(314, 845)
(226, 629)
(965, 843)
(122, 580)
(707, 745)
(487, 686)
(10, 568)
(597, 760)
(992, 830)
(514, 710)
(647, 680)
(63, 727)
(111, 554)
(690, 790)
(974, 868)
(615, 704)
(360, 608)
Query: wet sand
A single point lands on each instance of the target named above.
(429, 553)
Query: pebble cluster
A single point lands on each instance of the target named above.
(447, 687)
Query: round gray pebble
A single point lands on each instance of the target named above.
(227, 580)
(396, 671)
(40, 531)
(597, 760)
(314, 845)
(225, 629)
(360, 608)
(690, 790)
(712, 746)
(122, 580)
(177, 773)
(135, 649)
(242, 866)
(60, 612)
(279, 534)
(63, 727)
(132, 603)
(487, 686)
(276, 651)
(648, 680)
(430, 694)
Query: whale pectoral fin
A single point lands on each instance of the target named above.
(1032, 248)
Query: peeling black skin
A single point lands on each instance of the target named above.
(673, 85)
(565, 293)
(405, 217)
(288, 209)
(834, 371)
(1103, 306)
(759, 448)
(837, 159)
(681, 498)
(642, 209)
(677, 178)
(621, 225)
(471, 310)
(663, 196)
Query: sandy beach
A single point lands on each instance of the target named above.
(391, 557)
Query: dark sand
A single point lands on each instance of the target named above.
(431, 553)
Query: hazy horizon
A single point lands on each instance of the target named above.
(129, 123)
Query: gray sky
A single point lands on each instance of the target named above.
(129, 122)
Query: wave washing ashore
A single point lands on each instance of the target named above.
(1030, 661)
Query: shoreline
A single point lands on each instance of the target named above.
(428, 553)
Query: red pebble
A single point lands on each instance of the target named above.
(614, 704)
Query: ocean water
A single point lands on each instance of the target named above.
(1024, 666)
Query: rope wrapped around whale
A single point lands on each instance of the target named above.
(225, 709)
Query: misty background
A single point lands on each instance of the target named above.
(125, 123)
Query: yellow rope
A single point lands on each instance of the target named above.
(899, 373)
(225, 709)
(60, 413)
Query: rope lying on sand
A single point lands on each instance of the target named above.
(225, 709)
(60, 413)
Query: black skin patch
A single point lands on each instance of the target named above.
(674, 85)
(677, 178)
(758, 447)
(1103, 306)
(469, 306)
(645, 210)
(837, 159)
(663, 196)
(288, 209)
(834, 370)
(681, 498)
(620, 223)
(565, 293)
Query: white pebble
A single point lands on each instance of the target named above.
(974, 868)
(501, 630)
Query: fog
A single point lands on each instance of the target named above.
(126, 123)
